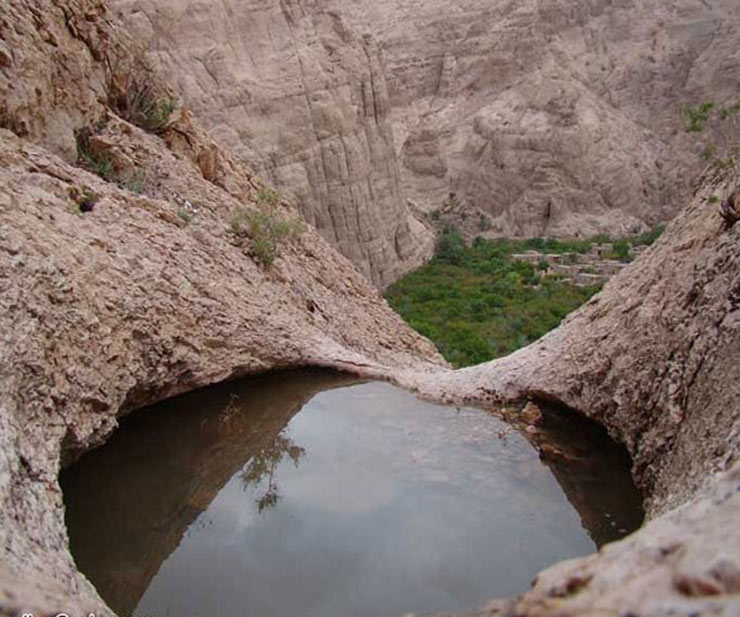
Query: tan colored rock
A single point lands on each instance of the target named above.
(105, 311)
(531, 413)
(139, 305)
(558, 118)
(293, 89)
(123, 289)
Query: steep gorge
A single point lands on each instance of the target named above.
(549, 118)
(105, 311)
(292, 88)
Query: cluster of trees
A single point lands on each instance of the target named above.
(476, 303)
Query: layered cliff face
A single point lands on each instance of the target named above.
(550, 118)
(555, 118)
(292, 88)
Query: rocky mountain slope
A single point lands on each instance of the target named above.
(134, 299)
(300, 95)
(549, 118)
(553, 117)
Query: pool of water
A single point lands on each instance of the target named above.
(308, 493)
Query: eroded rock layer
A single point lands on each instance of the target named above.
(555, 118)
(290, 86)
(549, 118)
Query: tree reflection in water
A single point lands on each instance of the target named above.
(261, 467)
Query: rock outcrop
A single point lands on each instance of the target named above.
(105, 311)
(553, 118)
(135, 299)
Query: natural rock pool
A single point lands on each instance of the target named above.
(307, 493)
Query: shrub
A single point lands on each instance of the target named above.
(185, 215)
(265, 229)
(139, 105)
(647, 238)
(697, 117)
(450, 246)
(268, 196)
(724, 150)
(98, 162)
(622, 250)
(102, 164)
(133, 181)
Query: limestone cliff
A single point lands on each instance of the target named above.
(292, 88)
(551, 118)
(555, 118)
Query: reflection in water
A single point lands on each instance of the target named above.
(385, 504)
(263, 464)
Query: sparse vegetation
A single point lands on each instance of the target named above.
(102, 164)
(238, 220)
(723, 152)
(133, 181)
(134, 94)
(268, 197)
(648, 237)
(135, 99)
(184, 214)
(697, 117)
(265, 227)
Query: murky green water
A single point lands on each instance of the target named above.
(305, 494)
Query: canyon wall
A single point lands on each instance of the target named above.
(114, 298)
(544, 118)
(125, 289)
(554, 118)
(292, 88)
